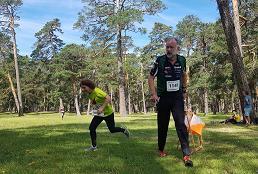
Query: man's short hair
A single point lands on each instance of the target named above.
(172, 38)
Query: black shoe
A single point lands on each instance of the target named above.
(187, 161)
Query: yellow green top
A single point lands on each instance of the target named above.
(238, 118)
(98, 96)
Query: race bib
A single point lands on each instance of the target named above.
(173, 85)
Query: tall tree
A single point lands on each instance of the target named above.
(68, 68)
(99, 18)
(47, 45)
(233, 48)
(48, 42)
(5, 66)
(157, 36)
(187, 31)
(8, 13)
(204, 39)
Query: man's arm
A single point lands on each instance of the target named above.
(152, 75)
(152, 88)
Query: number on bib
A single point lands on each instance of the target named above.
(173, 85)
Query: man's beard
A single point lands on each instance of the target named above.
(171, 56)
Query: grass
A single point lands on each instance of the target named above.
(43, 143)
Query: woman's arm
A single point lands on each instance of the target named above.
(106, 102)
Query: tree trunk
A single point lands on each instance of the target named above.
(204, 52)
(234, 49)
(143, 95)
(206, 103)
(143, 99)
(188, 104)
(61, 104)
(128, 94)
(44, 103)
(237, 25)
(111, 97)
(129, 103)
(226, 105)
(78, 113)
(232, 101)
(217, 104)
(121, 77)
(214, 106)
(200, 101)
(136, 108)
(129, 100)
(256, 98)
(14, 93)
(20, 111)
(76, 103)
(222, 105)
(88, 109)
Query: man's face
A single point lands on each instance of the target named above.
(171, 48)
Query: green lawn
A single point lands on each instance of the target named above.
(43, 143)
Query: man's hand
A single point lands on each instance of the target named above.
(155, 98)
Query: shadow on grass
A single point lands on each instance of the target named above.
(42, 113)
(8, 114)
(59, 149)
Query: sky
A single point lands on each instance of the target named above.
(34, 14)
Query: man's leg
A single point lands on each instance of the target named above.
(163, 121)
(179, 118)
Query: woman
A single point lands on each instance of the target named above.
(104, 111)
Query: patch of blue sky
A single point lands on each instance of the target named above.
(35, 13)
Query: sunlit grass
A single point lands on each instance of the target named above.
(44, 143)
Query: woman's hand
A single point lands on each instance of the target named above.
(100, 110)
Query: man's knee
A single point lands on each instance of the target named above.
(181, 126)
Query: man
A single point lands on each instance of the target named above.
(169, 97)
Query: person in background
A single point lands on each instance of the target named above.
(247, 107)
(62, 112)
(234, 119)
